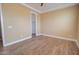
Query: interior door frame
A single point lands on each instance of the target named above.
(32, 12)
(2, 25)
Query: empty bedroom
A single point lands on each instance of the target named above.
(39, 29)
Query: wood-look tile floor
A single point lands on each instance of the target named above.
(41, 45)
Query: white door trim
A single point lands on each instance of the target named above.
(2, 26)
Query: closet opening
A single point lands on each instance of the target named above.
(33, 25)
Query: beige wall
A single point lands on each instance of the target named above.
(18, 17)
(60, 22)
(78, 26)
(0, 24)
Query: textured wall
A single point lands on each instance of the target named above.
(60, 22)
(17, 22)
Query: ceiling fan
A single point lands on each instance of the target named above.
(42, 4)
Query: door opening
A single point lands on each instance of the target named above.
(33, 25)
(1, 41)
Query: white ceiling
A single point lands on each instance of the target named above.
(48, 6)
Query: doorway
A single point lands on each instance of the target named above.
(1, 42)
(33, 25)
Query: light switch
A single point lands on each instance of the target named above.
(10, 27)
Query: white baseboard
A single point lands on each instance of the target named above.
(75, 40)
(77, 43)
(11, 43)
(43, 35)
(64, 38)
(38, 34)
